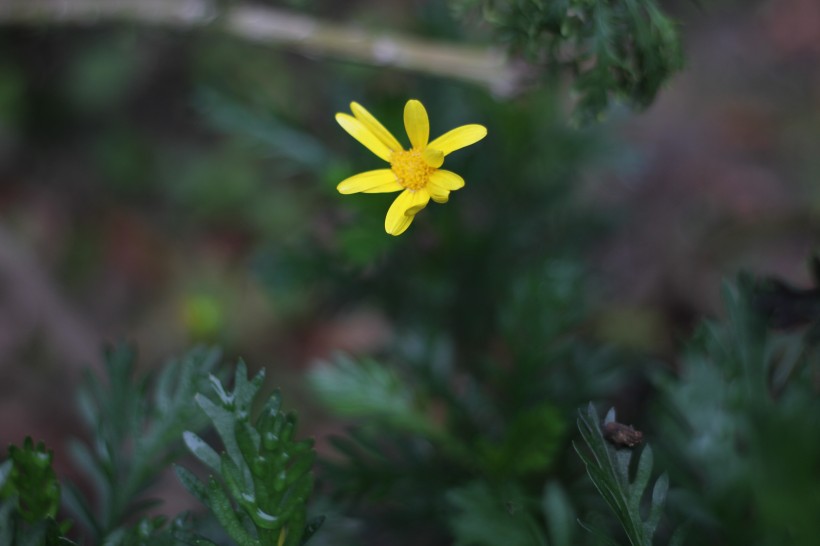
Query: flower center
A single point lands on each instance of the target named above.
(410, 169)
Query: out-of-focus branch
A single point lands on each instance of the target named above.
(272, 26)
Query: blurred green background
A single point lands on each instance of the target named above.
(171, 187)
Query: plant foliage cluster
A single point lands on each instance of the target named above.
(437, 444)
(266, 477)
(728, 428)
(614, 49)
(258, 484)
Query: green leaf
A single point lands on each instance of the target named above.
(658, 498)
(559, 514)
(30, 495)
(262, 478)
(32, 481)
(368, 390)
(617, 50)
(136, 423)
(529, 444)
(223, 421)
(220, 505)
(608, 468)
(77, 505)
(289, 143)
(5, 472)
(6, 523)
(487, 517)
(601, 537)
(201, 450)
(192, 484)
(642, 475)
(311, 527)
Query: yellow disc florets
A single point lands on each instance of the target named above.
(411, 171)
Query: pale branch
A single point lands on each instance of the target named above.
(276, 27)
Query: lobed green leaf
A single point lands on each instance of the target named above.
(608, 469)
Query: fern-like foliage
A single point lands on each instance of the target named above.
(398, 448)
(370, 390)
(487, 516)
(741, 417)
(136, 424)
(29, 498)
(445, 455)
(608, 468)
(260, 483)
(615, 49)
(288, 143)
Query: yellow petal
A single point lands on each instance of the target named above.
(416, 123)
(375, 127)
(419, 200)
(437, 193)
(459, 138)
(360, 132)
(447, 180)
(403, 222)
(378, 181)
(434, 158)
(401, 213)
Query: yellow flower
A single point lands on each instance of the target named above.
(415, 172)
